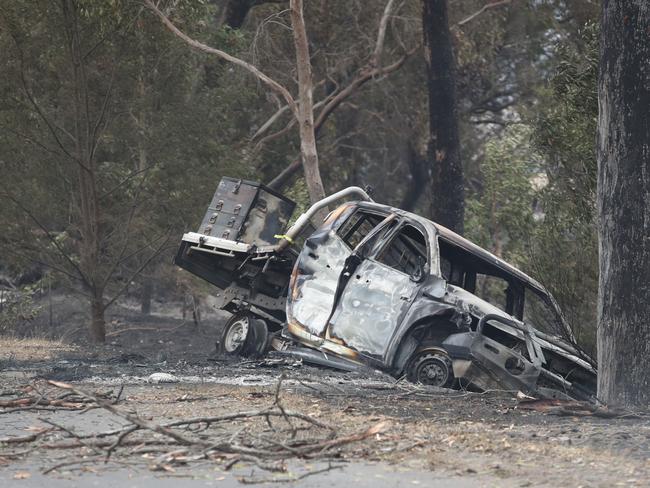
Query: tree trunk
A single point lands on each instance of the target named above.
(90, 224)
(97, 322)
(418, 178)
(306, 106)
(447, 186)
(624, 203)
(235, 12)
(147, 292)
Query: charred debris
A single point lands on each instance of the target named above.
(376, 286)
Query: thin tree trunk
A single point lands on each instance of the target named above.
(97, 322)
(147, 292)
(624, 203)
(417, 180)
(141, 118)
(49, 301)
(447, 185)
(306, 106)
(146, 281)
(89, 211)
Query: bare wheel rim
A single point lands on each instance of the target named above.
(236, 335)
(433, 371)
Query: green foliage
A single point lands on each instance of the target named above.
(565, 251)
(566, 126)
(500, 217)
(298, 193)
(167, 136)
(17, 307)
(536, 207)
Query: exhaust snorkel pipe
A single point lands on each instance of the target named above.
(303, 220)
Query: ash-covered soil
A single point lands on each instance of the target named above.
(432, 437)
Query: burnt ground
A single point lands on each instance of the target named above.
(432, 437)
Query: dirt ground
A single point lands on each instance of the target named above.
(431, 437)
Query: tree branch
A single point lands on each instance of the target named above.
(144, 264)
(371, 70)
(364, 75)
(121, 255)
(272, 84)
(34, 141)
(52, 127)
(42, 263)
(485, 7)
(267, 125)
(381, 35)
(285, 175)
(64, 254)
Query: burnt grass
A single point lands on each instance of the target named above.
(450, 433)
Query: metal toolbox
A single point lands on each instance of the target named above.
(246, 211)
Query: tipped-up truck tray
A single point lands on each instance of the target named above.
(235, 246)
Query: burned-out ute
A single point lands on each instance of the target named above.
(373, 285)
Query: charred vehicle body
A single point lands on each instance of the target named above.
(378, 286)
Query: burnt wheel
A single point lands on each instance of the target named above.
(235, 335)
(258, 340)
(431, 367)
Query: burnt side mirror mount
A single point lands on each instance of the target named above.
(436, 287)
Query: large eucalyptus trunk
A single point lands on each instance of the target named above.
(447, 185)
(624, 203)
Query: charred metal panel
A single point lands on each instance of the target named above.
(374, 302)
(320, 358)
(267, 218)
(425, 309)
(243, 295)
(488, 363)
(246, 211)
(315, 280)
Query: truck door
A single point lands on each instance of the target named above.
(380, 291)
(316, 276)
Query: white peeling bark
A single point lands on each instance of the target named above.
(306, 106)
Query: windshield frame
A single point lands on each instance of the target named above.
(550, 301)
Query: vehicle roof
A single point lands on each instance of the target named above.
(458, 240)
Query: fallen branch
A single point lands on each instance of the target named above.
(288, 479)
(134, 419)
(25, 438)
(69, 463)
(33, 399)
(573, 408)
(295, 435)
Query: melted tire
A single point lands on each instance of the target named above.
(257, 340)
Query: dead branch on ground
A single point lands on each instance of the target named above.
(266, 438)
(574, 408)
(30, 398)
